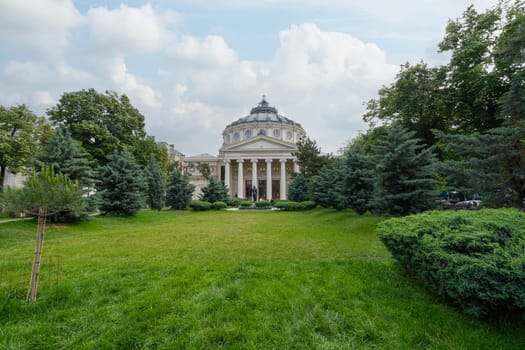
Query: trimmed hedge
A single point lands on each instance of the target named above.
(294, 206)
(475, 259)
(219, 205)
(200, 205)
(246, 204)
(262, 205)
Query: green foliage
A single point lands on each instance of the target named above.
(475, 259)
(156, 188)
(104, 123)
(329, 186)
(244, 204)
(18, 135)
(180, 190)
(198, 205)
(263, 205)
(300, 188)
(204, 169)
(295, 206)
(216, 191)
(53, 192)
(359, 183)
(121, 186)
(219, 205)
(405, 175)
(66, 156)
(309, 157)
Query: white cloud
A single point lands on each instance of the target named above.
(211, 52)
(38, 26)
(129, 29)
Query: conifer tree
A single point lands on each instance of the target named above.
(328, 187)
(156, 187)
(404, 174)
(359, 175)
(300, 188)
(214, 192)
(121, 185)
(180, 190)
(66, 156)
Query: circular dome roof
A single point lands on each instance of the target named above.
(264, 113)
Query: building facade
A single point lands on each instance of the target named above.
(256, 155)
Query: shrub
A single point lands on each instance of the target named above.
(308, 205)
(235, 202)
(262, 205)
(245, 204)
(219, 205)
(200, 205)
(475, 259)
(295, 206)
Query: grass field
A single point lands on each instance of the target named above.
(235, 280)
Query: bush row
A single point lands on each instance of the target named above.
(475, 259)
(295, 206)
(203, 205)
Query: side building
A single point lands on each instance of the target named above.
(257, 153)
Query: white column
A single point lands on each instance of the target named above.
(254, 176)
(227, 176)
(268, 179)
(240, 179)
(283, 179)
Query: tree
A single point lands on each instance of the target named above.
(41, 192)
(299, 189)
(405, 177)
(180, 190)
(67, 157)
(359, 178)
(121, 186)
(18, 130)
(214, 192)
(156, 186)
(416, 100)
(328, 186)
(309, 157)
(104, 123)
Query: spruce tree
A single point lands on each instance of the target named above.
(156, 187)
(300, 188)
(66, 156)
(214, 192)
(359, 175)
(180, 190)
(404, 174)
(328, 187)
(121, 185)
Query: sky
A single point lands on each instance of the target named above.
(191, 67)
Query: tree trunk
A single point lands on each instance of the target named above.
(33, 285)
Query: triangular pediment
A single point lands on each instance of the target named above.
(260, 143)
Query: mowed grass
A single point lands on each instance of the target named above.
(233, 280)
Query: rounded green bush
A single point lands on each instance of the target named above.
(219, 205)
(476, 259)
(200, 205)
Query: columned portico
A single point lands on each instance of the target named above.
(283, 179)
(269, 179)
(240, 178)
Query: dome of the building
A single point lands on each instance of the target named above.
(264, 113)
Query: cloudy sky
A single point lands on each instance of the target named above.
(193, 66)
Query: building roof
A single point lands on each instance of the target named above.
(264, 113)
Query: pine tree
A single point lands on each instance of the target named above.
(359, 175)
(300, 189)
(214, 192)
(66, 156)
(180, 191)
(328, 187)
(404, 174)
(156, 187)
(121, 185)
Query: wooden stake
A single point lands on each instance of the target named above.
(35, 272)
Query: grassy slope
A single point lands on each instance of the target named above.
(230, 280)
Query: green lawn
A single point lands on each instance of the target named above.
(247, 279)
